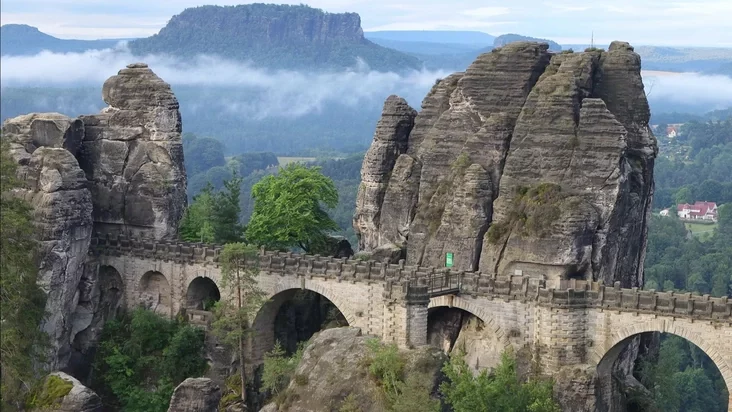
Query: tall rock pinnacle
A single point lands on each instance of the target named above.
(529, 162)
(133, 156)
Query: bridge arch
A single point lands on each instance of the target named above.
(201, 292)
(451, 301)
(606, 355)
(111, 291)
(155, 293)
(263, 339)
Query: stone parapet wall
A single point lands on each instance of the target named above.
(562, 293)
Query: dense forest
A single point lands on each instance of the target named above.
(696, 165)
(679, 377)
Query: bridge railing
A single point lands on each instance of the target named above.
(565, 292)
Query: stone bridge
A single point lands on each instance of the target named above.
(574, 330)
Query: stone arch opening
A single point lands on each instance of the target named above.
(292, 316)
(155, 293)
(456, 324)
(684, 375)
(111, 292)
(202, 293)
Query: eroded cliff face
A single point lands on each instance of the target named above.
(335, 365)
(132, 154)
(529, 162)
(121, 170)
(62, 212)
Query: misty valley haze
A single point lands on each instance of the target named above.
(252, 108)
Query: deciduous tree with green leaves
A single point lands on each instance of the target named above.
(289, 209)
(22, 303)
(239, 269)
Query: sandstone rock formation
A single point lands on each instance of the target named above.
(133, 156)
(529, 162)
(56, 188)
(196, 395)
(390, 141)
(333, 367)
(121, 170)
(79, 398)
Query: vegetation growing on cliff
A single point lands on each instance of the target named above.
(48, 393)
(402, 392)
(22, 303)
(500, 390)
(142, 357)
(288, 209)
(533, 212)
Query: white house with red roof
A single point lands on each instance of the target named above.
(697, 211)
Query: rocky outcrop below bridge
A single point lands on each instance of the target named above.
(529, 163)
(117, 171)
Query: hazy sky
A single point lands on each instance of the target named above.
(659, 22)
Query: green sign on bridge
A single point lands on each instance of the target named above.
(448, 260)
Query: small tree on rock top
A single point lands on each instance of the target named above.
(288, 209)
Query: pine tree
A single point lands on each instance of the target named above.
(239, 268)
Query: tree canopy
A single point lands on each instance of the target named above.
(289, 209)
(214, 216)
(499, 391)
(142, 357)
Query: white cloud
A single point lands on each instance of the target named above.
(689, 89)
(250, 91)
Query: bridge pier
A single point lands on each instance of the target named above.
(405, 310)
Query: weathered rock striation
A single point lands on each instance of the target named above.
(334, 366)
(390, 141)
(133, 155)
(56, 188)
(529, 162)
(122, 171)
(195, 395)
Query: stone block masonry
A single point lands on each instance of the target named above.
(572, 327)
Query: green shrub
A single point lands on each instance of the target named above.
(386, 365)
(280, 368)
(533, 211)
(301, 380)
(142, 357)
(350, 404)
(499, 391)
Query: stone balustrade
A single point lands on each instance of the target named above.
(562, 293)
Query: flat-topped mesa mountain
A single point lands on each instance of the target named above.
(529, 163)
(118, 171)
(274, 36)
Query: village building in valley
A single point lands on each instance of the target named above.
(698, 211)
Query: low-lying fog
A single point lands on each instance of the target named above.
(256, 109)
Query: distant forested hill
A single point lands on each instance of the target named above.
(276, 36)
(24, 40)
(512, 38)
